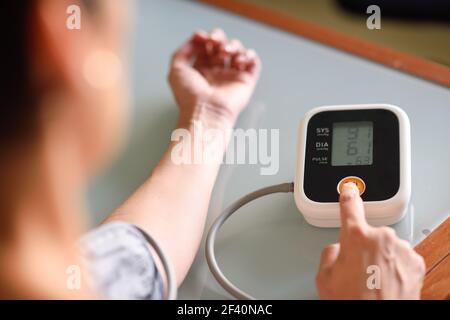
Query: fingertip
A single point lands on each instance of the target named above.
(201, 33)
(348, 192)
(217, 35)
(251, 53)
(199, 36)
(350, 188)
(351, 206)
(237, 45)
(329, 255)
(253, 56)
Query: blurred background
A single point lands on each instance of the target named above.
(417, 27)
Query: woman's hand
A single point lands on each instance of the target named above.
(213, 77)
(349, 269)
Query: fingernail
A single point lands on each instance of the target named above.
(350, 187)
(251, 53)
(201, 33)
(228, 48)
(215, 37)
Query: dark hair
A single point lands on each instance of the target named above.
(16, 111)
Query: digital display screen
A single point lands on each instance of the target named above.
(352, 144)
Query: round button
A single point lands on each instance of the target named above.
(360, 184)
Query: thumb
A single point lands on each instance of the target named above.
(329, 256)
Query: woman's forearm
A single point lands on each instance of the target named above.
(172, 204)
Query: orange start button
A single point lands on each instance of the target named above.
(356, 180)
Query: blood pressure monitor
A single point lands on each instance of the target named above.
(365, 144)
(368, 145)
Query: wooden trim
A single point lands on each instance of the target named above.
(435, 249)
(437, 283)
(436, 246)
(392, 58)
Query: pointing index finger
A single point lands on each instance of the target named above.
(352, 208)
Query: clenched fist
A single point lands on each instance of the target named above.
(213, 77)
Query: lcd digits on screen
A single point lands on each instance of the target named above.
(352, 144)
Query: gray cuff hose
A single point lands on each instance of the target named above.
(212, 234)
(171, 286)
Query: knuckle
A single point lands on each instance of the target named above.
(419, 263)
(236, 42)
(356, 231)
(388, 234)
(405, 245)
